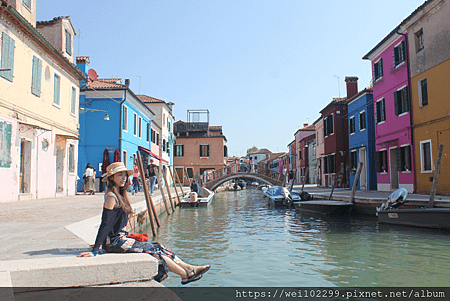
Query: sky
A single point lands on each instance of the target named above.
(263, 68)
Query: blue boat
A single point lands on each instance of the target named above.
(280, 196)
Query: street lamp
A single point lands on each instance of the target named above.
(84, 110)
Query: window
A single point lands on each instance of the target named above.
(352, 159)
(124, 158)
(179, 150)
(71, 158)
(68, 37)
(135, 124)
(299, 155)
(190, 172)
(73, 98)
(381, 161)
(423, 92)
(362, 120)
(5, 144)
(378, 70)
(152, 135)
(57, 90)
(125, 118)
(36, 74)
(330, 164)
(418, 37)
(157, 139)
(140, 127)
(148, 132)
(328, 125)
(27, 3)
(7, 62)
(164, 119)
(398, 54)
(380, 110)
(225, 151)
(401, 101)
(404, 158)
(352, 125)
(204, 150)
(164, 145)
(425, 156)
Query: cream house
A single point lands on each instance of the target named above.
(39, 92)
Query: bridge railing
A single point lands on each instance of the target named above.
(212, 175)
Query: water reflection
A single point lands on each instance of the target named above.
(249, 243)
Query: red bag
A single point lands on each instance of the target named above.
(139, 236)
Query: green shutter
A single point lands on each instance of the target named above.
(5, 142)
(36, 77)
(8, 46)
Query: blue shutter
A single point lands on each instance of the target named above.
(5, 143)
(36, 76)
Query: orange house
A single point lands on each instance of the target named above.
(199, 147)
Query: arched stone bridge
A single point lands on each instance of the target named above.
(214, 183)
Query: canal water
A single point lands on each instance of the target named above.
(251, 244)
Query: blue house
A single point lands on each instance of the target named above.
(361, 129)
(113, 122)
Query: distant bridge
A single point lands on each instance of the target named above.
(213, 179)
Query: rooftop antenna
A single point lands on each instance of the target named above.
(79, 40)
(139, 83)
(339, 90)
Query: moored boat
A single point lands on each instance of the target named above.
(281, 196)
(203, 199)
(390, 213)
(324, 207)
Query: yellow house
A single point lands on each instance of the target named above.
(428, 41)
(39, 92)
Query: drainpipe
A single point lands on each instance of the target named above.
(120, 122)
(410, 105)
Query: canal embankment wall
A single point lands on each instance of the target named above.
(41, 239)
(367, 201)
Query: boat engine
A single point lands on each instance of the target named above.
(395, 200)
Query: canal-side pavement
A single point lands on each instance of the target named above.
(41, 238)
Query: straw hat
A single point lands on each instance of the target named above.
(114, 168)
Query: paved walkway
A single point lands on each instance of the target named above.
(37, 228)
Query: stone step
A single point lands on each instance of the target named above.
(72, 271)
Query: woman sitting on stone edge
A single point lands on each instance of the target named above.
(113, 238)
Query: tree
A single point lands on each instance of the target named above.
(252, 149)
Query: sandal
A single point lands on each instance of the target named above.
(203, 271)
(194, 277)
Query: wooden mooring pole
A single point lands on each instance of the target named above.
(179, 183)
(355, 182)
(304, 178)
(435, 178)
(175, 186)
(341, 170)
(148, 199)
(162, 191)
(168, 190)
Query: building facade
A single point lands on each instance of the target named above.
(39, 87)
(307, 130)
(362, 139)
(127, 131)
(199, 147)
(320, 150)
(164, 119)
(392, 108)
(428, 35)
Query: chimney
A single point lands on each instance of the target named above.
(305, 125)
(82, 64)
(352, 86)
(127, 82)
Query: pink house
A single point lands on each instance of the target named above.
(392, 107)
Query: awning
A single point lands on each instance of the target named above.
(60, 136)
(141, 148)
